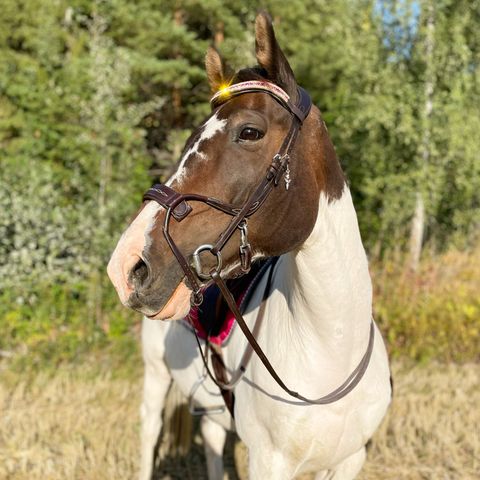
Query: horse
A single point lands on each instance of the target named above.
(311, 313)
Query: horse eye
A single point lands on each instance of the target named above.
(250, 134)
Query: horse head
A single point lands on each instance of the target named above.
(225, 159)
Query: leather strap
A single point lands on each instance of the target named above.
(247, 355)
(169, 198)
(219, 375)
(220, 372)
(301, 108)
(346, 387)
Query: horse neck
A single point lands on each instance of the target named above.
(326, 281)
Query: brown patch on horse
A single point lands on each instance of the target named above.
(330, 177)
(335, 178)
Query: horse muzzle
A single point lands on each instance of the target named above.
(176, 306)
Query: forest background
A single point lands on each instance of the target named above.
(98, 97)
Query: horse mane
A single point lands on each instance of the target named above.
(251, 73)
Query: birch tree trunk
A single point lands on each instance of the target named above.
(418, 220)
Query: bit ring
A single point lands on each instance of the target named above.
(197, 263)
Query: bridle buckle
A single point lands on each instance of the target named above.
(281, 167)
(245, 248)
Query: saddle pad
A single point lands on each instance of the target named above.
(213, 320)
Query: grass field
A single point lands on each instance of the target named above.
(78, 424)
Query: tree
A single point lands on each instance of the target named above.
(73, 159)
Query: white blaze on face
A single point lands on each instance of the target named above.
(137, 237)
(210, 128)
(129, 249)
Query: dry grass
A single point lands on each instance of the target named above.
(433, 428)
(70, 426)
(433, 314)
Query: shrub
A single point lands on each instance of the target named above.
(434, 313)
(65, 322)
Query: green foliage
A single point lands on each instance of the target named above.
(64, 322)
(397, 134)
(89, 87)
(73, 158)
(42, 234)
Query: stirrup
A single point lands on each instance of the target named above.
(198, 411)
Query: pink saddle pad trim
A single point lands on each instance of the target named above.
(225, 330)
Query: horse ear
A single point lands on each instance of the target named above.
(217, 72)
(270, 56)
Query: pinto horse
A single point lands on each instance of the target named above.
(311, 313)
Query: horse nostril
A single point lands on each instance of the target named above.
(139, 273)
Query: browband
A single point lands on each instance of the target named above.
(300, 109)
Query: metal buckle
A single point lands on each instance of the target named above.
(243, 234)
(197, 264)
(280, 167)
(245, 248)
(196, 298)
(287, 178)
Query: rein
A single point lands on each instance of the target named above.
(176, 206)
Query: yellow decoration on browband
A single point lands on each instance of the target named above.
(227, 90)
(224, 88)
(223, 92)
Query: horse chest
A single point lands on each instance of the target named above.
(314, 437)
(310, 437)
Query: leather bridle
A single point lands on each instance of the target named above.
(177, 206)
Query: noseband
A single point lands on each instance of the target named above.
(176, 204)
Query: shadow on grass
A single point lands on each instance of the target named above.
(192, 466)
